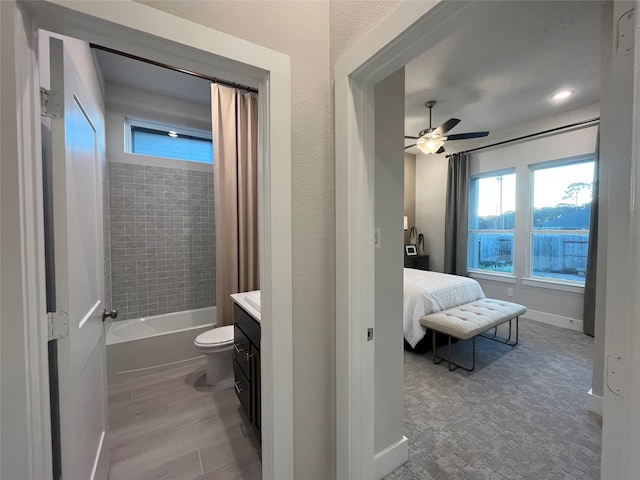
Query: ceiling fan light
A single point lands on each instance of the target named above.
(429, 145)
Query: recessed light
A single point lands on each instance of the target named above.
(173, 134)
(562, 95)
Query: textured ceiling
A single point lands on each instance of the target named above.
(496, 71)
(143, 76)
(502, 68)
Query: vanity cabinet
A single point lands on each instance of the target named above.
(246, 364)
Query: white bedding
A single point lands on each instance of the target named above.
(428, 292)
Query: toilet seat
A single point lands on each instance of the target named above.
(215, 338)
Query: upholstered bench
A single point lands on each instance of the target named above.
(470, 320)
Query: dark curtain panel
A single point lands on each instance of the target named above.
(457, 215)
(589, 315)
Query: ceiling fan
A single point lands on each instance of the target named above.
(431, 140)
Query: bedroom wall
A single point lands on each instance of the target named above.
(431, 189)
(549, 304)
(389, 200)
(553, 306)
(409, 191)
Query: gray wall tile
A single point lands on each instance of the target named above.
(159, 227)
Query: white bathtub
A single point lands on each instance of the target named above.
(145, 345)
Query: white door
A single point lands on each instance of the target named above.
(77, 152)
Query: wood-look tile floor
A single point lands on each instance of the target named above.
(167, 426)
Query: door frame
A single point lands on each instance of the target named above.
(409, 31)
(150, 33)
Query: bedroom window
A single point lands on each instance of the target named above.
(492, 205)
(169, 141)
(560, 220)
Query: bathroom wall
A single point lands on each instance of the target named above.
(162, 226)
(162, 239)
(315, 35)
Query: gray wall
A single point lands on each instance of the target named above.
(409, 191)
(431, 190)
(561, 307)
(315, 35)
(544, 303)
(162, 239)
(389, 206)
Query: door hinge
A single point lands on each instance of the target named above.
(616, 374)
(50, 103)
(58, 325)
(624, 34)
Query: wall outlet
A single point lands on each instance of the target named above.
(509, 292)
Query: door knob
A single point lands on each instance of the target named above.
(113, 314)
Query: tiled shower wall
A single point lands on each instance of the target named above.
(162, 239)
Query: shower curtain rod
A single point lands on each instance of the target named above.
(537, 134)
(175, 69)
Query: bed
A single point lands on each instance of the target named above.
(428, 292)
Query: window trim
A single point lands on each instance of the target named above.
(553, 284)
(549, 282)
(492, 276)
(130, 122)
(470, 231)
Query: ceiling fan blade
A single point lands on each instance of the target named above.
(409, 146)
(446, 126)
(412, 138)
(463, 136)
(440, 150)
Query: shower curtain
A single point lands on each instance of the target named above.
(235, 160)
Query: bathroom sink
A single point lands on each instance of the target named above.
(253, 299)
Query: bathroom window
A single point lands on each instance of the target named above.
(169, 141)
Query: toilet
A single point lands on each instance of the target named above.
(217, 345)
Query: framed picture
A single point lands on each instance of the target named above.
(410, 250)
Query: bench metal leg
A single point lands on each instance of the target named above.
(452, 365)
(506, 341)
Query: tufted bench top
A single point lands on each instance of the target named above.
(471, 319)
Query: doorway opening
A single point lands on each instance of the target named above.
(360, 153)
(269, 70)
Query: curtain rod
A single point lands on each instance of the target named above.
(537, 134)
(175, 69)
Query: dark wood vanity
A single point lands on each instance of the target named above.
(246, 364)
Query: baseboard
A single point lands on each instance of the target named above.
(556, 320)
(594, 402)
(391, 458)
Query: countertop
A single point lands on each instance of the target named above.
(250, 302)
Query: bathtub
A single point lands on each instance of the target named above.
(145, 345)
